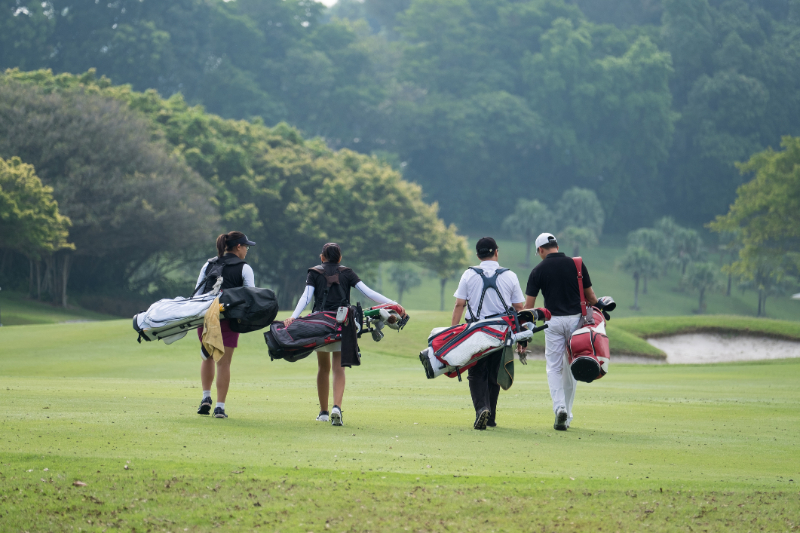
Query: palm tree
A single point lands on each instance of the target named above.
(638, 262)
(701, 277)
(530, 217)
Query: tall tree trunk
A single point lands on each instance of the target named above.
(442, 283)
(636, 292)
(764, 306)
(527, 257)
(644, 288)
(576, 251)
(701, 307)
(38, 280)
(730, 281)
(400, 291)
(64, 278)
(760, 291)
(30, 278)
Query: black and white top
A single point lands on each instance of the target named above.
(238, 275)
(557, 277)
(316, 283)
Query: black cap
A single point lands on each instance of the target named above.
(486, 247)
(241, 240)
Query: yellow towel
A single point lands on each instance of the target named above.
(212, 333)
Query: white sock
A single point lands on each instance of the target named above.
(221, 405)
(206, 394)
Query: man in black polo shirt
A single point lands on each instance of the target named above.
(557, 277)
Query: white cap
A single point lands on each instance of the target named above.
(545, 238)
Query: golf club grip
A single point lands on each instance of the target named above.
(540, 328)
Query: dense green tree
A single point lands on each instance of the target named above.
(765, 218)
(127, 197)
(289, 194)
(30, 223)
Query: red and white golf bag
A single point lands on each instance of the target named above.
(588, 347)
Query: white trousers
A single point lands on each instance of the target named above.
(559, 378)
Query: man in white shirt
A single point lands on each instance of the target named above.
(484, 291)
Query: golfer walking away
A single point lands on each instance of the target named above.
(473, 294)
(231, 250)
(557, 277)
(329, 285)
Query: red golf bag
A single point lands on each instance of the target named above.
(588, 346)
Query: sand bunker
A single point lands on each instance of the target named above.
(715, 348)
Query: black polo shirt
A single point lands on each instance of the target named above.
(557, 278)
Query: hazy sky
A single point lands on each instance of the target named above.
(327, 2)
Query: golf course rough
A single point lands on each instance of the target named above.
(652, 448)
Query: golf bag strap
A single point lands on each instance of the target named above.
(329, 281)
(488, 283)
(579, 266)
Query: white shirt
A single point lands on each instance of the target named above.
(471, 285)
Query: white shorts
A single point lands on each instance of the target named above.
(334, 347)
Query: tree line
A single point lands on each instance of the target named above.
(130, 187)
(648, 103)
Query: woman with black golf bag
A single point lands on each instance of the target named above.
(329, 285)
(230, 264)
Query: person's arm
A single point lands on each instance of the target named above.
(591, 299)
(373, 295)
(304, 299)
(530, 302)
(377, 297)
(518, 307)
(458, 311)
(248, 277)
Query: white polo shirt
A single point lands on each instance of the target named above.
(471, 285)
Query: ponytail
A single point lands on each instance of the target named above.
(224, 239)
(332, 252)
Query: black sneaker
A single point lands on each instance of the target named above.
(219, 412)
(561, 420)
(491, 424)
(205, 406)
(482, 419)
(426, 363)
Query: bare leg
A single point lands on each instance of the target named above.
(207, 373)
(323, 375)
(224, 374)
(338, 379)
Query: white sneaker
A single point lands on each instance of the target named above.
(322, 416)
(336, 416)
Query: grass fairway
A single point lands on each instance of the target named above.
(652, 448)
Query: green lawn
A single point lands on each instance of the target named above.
(16, 309)
(656, 448)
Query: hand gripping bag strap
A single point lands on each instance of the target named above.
(488, 283)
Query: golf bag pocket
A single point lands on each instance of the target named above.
(303, 335)
(588, 349)
(458, 348)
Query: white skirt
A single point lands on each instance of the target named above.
(333, 347)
